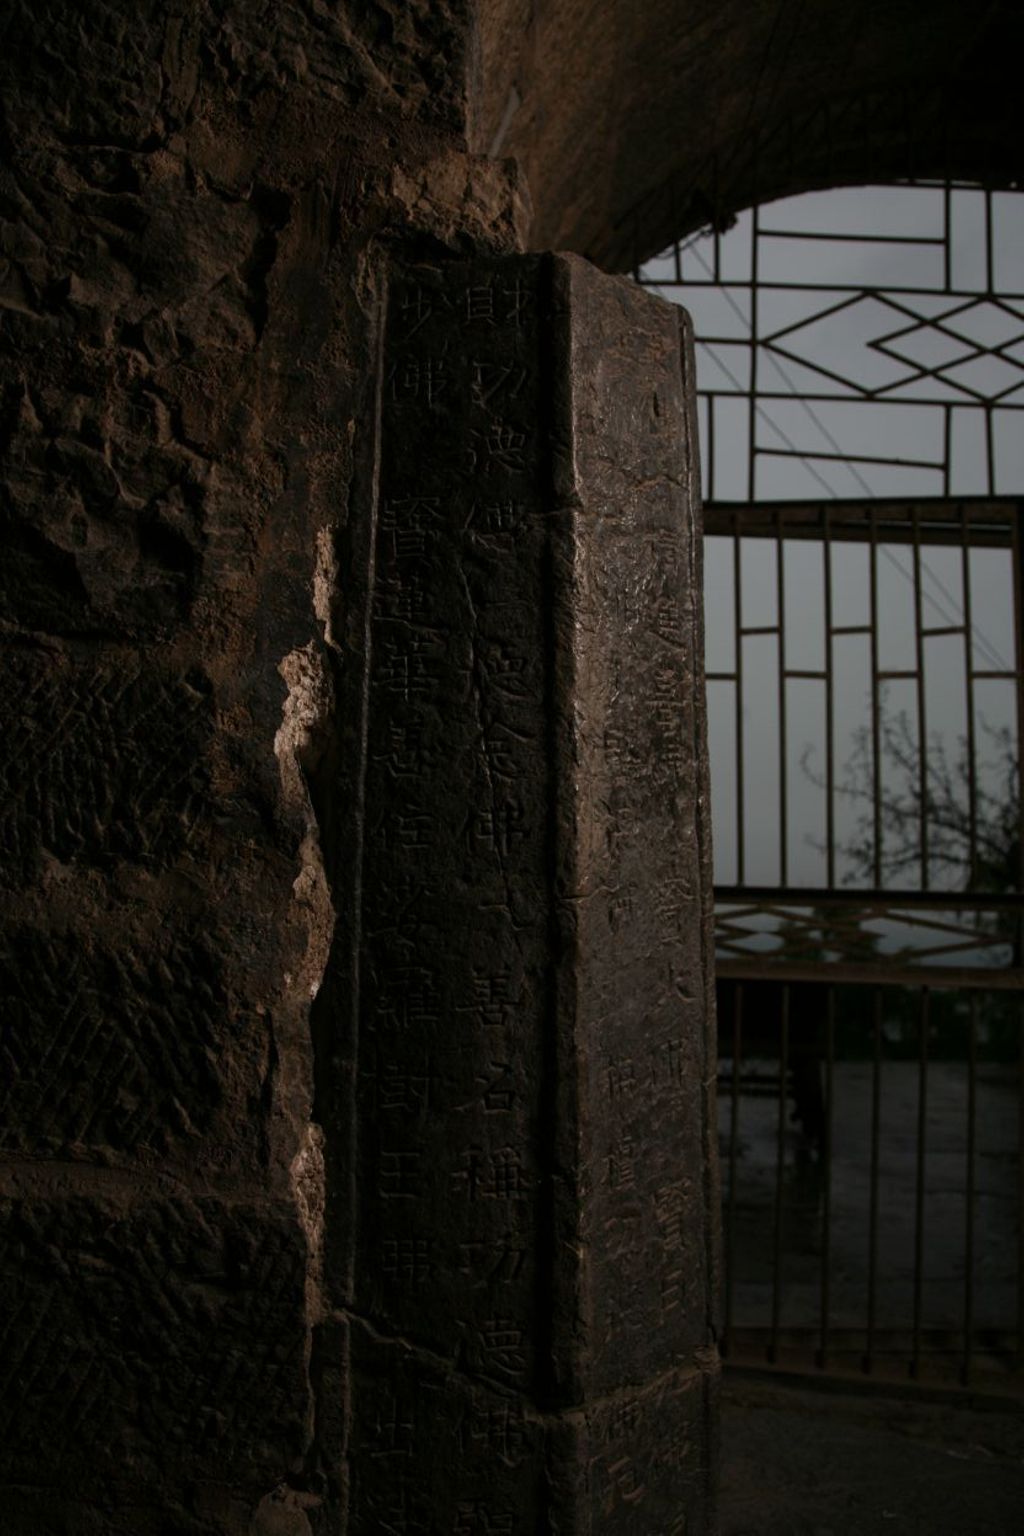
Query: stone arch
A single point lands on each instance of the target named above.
(632, 135)
(200, 202)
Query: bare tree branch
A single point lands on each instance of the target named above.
(973, 840)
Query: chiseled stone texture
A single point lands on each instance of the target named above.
(525, 1258)
(197, 200)
(637, 127)
(123, 1045)
(170, 1336)
(193, 199)
(101, 760)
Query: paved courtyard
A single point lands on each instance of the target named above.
(995, 1217)
(811, 1463)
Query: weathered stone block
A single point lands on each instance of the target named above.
(147, 1346)
(120, 1041)
(99, 760)
(533, 1220)
(487, 1472)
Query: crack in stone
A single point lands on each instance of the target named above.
(705, 1364)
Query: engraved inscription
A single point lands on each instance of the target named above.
(527, 1170)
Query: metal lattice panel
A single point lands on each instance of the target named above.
(862, 342)
(858, 936)
(860, 367)
(860, 757)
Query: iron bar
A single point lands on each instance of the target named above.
(738, 664)
(922, 1131)
(876, 706)
(952, 977)
(752, 388)
(711, 399)
(855, 296)
(854, 288)
(826, 1155)
(799, 234)
(830, 777)
(780, 1168)
(847, 458)
(990, 521)
(1018, 631)
(967, 398)
(732, 916)
(876, 1109)
(989, 251)
(990, 451)
(972, 760)
(780, 614)
(860, 896)
(922, 721)
(734, 1123)
(972, 1120)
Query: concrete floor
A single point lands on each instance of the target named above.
(995, 1255)
(801, 1462)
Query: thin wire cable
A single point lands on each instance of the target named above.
(954, 617)
(957, 614)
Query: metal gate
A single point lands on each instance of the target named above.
(864, 663)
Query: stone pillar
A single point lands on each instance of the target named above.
(522, 1229)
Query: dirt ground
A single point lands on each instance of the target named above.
(802, 1462)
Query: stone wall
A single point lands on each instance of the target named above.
(200, 200)
(202, 204)
(517, 1051)
(196, 200)
(635, 125)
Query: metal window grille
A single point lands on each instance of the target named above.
(860, 362)
(834, 330)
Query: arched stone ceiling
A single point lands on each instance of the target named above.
(638, 120)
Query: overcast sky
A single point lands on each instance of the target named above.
(976, 338)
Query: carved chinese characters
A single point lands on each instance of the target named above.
(531, 1186)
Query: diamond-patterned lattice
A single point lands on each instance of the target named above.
(986, 325)
(779, 933)
(842, 314)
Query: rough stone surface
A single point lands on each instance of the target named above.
(198, 203)
(121, 1043)
(525, 1254)
(169, 1336)
(195, 198)
(198, 199)
(102, 761)
(635, 127)
(799, 1462)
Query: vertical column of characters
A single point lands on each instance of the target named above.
(417, 651)
(641, 982)
(454, 915)
(504, 951)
